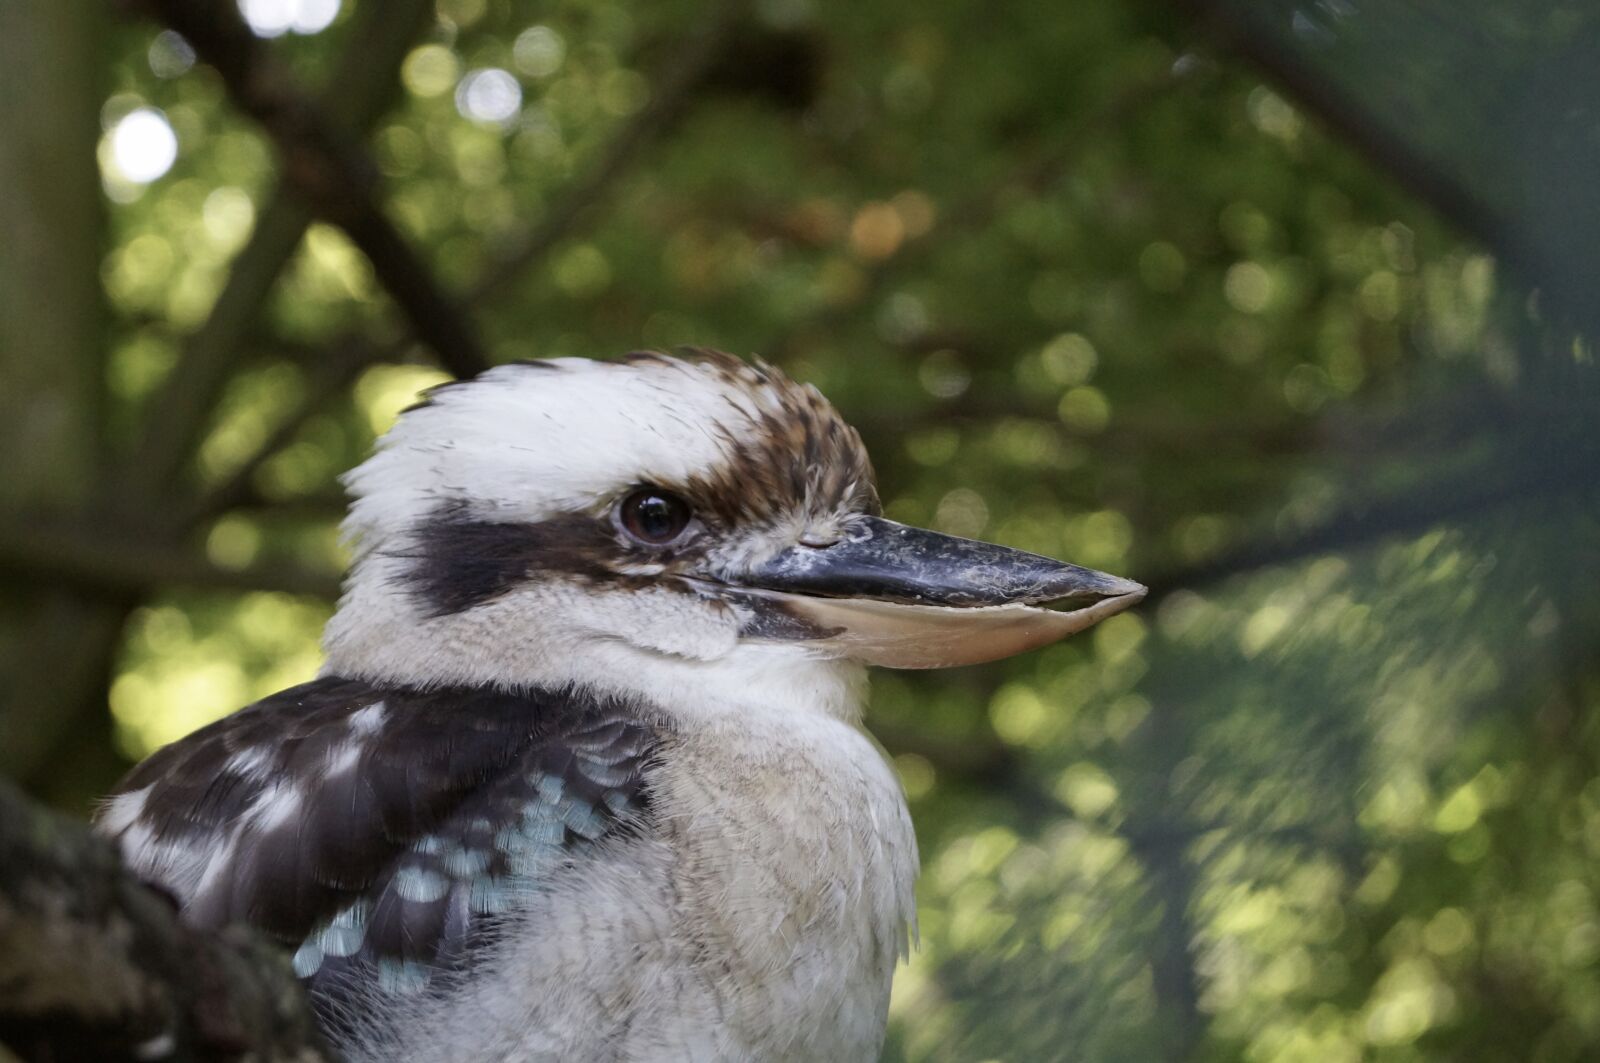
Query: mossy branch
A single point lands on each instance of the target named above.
(96, 966)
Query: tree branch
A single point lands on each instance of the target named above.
(1236, 27)
(691, 62)
(1526, 478)
(95, 965)
(326, 167)
(39, 550)
(179, 413)
(356, 94)
(329, 375)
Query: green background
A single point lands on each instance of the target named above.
(1088, 286)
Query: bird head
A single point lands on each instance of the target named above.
(658, 521)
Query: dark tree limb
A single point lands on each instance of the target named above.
(119, 564)
(692, 61)
(1247, 37)
(1244, 31)
(181, 410)
(1174, 974)
(96, 966)
(358, 91)
(330, 373)
(1528, 478)
(326, 167)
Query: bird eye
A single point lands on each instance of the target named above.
(654, 516)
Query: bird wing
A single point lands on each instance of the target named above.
(380, 831)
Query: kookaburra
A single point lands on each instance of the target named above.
(583, 776)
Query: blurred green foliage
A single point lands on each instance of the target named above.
(1087, 291)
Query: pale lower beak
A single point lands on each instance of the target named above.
(904, 597)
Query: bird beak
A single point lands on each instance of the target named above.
(905, 597)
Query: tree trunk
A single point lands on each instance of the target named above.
(56, 645)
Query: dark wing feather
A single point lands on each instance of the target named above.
(205, 781)
(380, 831)
(576, 781)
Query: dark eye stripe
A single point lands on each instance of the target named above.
(458, 562)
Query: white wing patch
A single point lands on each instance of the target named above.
(275, 807)
(176, 866)
(118, 814)
(343, 757)
(252, 763)
(369, 721)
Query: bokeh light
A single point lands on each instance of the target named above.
(143, 146)
(170, 55)
(538, 51)
(274, 18)
(491, 95)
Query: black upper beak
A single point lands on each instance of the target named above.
(907, 598)
(885, 561)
